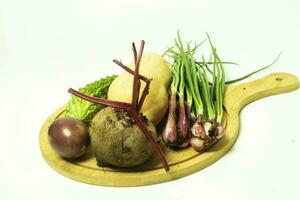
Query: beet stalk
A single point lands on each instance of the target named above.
(135, 106)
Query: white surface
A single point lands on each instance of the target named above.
(48, 46)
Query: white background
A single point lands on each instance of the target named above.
(48, 46)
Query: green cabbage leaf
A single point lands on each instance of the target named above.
(84, 110)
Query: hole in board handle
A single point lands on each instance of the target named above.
(278, 79)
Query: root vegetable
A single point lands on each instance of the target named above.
(156, 104)
(118, 141)
(197, 143)
(130, 109)
(169, 134)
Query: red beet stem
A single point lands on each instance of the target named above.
(130, 71)
(133, 109)
(140, 52)
(134, 53)
(136, 80)
(144, 94)
(105, 102)
(143, 78)
(150, 138)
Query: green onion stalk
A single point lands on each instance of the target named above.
(176, 131)
(218, 88)
(193, 90)
(208, 100)
(212, 95)
(183, 123)
(199, 141)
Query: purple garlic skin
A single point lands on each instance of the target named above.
(198, 130)
(169, 134)
(220, 131)
(197, 143)
(182, 121)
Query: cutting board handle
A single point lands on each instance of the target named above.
(237, 96)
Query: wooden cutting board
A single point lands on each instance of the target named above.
(182, 162)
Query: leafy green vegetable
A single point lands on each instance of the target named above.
(83, 110)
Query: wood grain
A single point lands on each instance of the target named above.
(182, 162)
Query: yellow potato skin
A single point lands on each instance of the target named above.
(156, 103)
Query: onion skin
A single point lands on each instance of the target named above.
(182, 121)
(197, 129)
(69, 137)
(169, 134)
(197, 143)
(220, 131)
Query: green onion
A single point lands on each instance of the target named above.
(252, 73)
(219, 90)
(169, 134)
(199, 86)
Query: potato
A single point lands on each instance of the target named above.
(156, 103)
